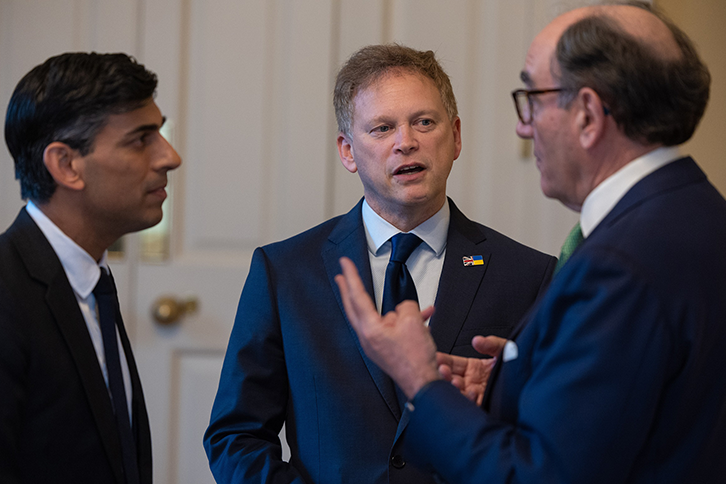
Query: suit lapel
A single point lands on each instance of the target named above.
(348, 239)
(459, 284)
(43, 265)
(140, 423)
(678, 173)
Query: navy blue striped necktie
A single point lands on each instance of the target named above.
(399, 285)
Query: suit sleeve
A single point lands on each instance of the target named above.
(592, 365)
(13, 393)
(242, 441)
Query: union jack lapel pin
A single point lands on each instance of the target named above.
(473, 260)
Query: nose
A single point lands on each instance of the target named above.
(524, 130)
(169, 158)
(406, 141)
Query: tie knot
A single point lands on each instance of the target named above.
(402, 245)
(104, 286)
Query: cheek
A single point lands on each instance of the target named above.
(368, 175)
(370, 161)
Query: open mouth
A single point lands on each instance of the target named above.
(408, 170)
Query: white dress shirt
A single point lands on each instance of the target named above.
(424, 264)
(607, 194)
(83, 274)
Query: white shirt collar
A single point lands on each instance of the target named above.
(607, 194)
(82, 271)
(433, 231)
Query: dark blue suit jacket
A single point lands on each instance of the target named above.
(293, 357)
(619, 375)
(56, 419)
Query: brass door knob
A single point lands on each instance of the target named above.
(168, 310)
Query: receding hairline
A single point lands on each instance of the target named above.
(644, 26)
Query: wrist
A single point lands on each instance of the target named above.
(421, 381)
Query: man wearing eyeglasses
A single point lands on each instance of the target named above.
(617, 374)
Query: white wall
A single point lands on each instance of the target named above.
(249, 86)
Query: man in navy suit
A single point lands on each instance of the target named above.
(292, 356)
(617, 375)
(83, 130)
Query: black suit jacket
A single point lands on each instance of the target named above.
(294, 358)
(56, 420)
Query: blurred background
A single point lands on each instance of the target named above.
(247, 87)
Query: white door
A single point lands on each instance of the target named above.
(250, 103)
(247, 87)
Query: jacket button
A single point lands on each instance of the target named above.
(398, 462)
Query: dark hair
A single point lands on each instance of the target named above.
(367, 65)
(68, 98)
(652, 99)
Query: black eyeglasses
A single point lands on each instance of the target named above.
(523, 101)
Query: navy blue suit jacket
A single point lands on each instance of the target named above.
(619, 374)
(56, 419)
(293, 357)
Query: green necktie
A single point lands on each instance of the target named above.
(574, 239)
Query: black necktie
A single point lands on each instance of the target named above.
(399, 285)
(109, 316)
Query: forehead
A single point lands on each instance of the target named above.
(537, 72)
(398, 93)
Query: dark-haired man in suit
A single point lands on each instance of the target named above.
(292, 356)
(83, 130)
(617, 375)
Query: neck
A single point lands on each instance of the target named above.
(606, 160)
(406, 219)
(70, 222)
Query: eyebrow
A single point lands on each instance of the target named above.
(387, 118)
(524, 76)
(431, 113)
(147, 127)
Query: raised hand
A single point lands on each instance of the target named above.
(398, 341)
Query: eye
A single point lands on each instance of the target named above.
(381, 129)
(143, 139)
(426, 123)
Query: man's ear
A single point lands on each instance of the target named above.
(62, 163)
(456, 128)
(345, 151)
(591, 117)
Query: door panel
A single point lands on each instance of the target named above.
(180, 363)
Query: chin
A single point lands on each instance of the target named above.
(546, 190)
(149, 221)
(154, 221)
